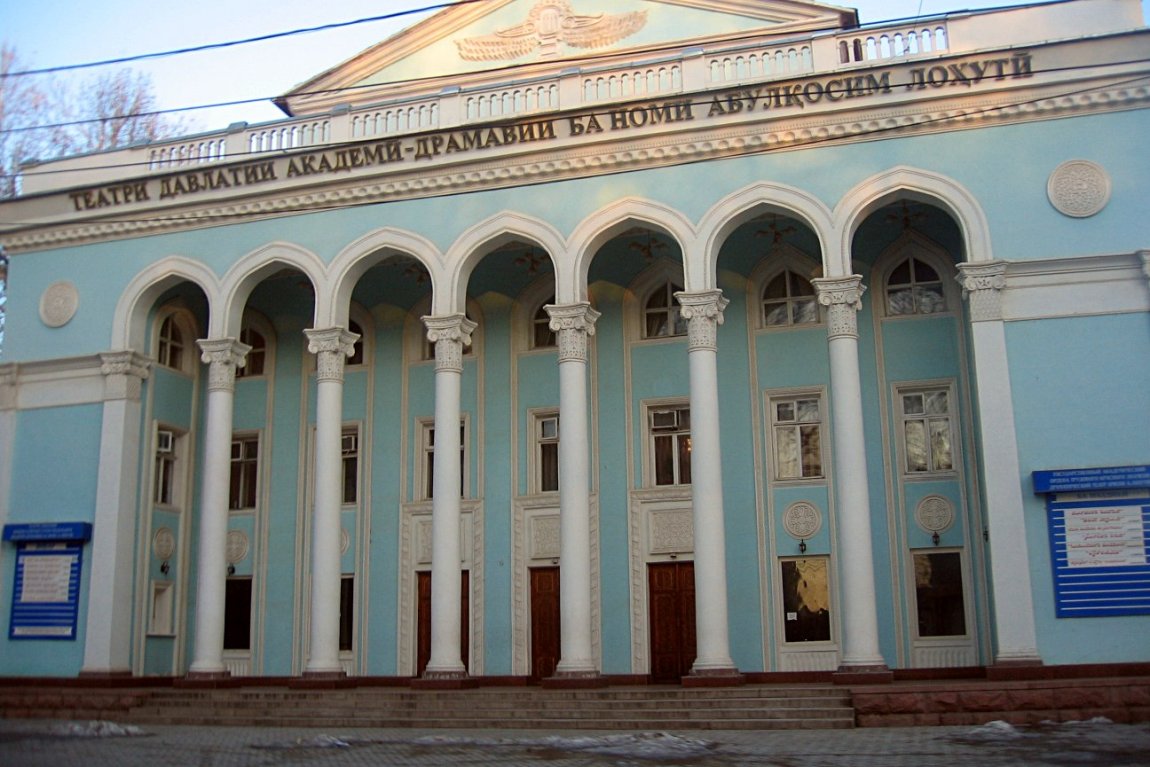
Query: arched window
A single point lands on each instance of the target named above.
(914, 287)
(661, 316)
(171, 350)
(254, 364)
(542, 336)
(789, 299)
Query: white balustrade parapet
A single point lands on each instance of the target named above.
(689, 71)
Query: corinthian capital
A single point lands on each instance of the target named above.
(982, 286)
(703, 311)
(223, 356)
(843, 298)
(450, 333)
(331, 347)
(573, 324)
(124, 372)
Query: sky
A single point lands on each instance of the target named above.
(49, 33)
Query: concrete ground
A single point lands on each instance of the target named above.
(43, 743)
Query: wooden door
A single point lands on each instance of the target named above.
(671, 605)
(423, 619)
(545, 622)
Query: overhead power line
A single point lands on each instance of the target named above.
(232, 43)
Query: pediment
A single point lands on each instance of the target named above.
(460, 44)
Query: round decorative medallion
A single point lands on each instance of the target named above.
(802, 520)
(237, 546)
(934, 514)
(344, 541)
(163, 543)
(1078, 188)
(58, 303)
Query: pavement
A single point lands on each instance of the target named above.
(45, 743)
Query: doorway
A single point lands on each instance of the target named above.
(671, 603)
(423, 619)
(545, 622)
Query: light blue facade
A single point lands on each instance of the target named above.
(1072, 310)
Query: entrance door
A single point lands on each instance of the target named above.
(423, 619)
(545, 621)
(671, 601)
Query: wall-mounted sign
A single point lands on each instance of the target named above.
(1099, 524)
(46, 593)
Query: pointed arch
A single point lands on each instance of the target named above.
(249, 270)
(610, 221)
(479, 240)
(373, 248)
(731, 212)
(916, 184)
(129, 326)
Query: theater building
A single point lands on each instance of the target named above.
(643, 340)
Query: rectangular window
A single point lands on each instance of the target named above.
(670, 429)
(238, 614)
(926, 435)
(165, 478)
(346, 612)
(244, 472)
(427, 463)
(938, 594)
(349, 450)
(547, 452)
(796, 425)
(806, 599)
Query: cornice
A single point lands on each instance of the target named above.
(903, 113)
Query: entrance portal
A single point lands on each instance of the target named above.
(671, 600)
(545, 622)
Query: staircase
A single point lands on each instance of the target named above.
(619, 708)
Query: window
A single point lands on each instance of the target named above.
(789, 299)
(806, 599)
(254, 363)
(427, 484)
(346, 612)
(796, 423)
(244, 472)
(926, 430)
(914, 287)
(670, 429)
(349, 451)
(238, 614)
(661, 316)
(547, 452)
(938, 594)
(170, 352)
(165, 477)
(542, 336)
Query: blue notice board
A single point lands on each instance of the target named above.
(1099, 524)
(46, 593)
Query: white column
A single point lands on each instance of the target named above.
(843, 298)
(574, 324)
(704, 313)
(449, 334)
(331, 347)
(1017, 641)
(108, 634)
(223, 356)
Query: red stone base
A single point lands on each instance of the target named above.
(586, 680)
(207, 679)
(852, 675)
(445, 682)
(721, 677)
(321, 680)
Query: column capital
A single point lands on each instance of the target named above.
(332, 346)
(573, 324)
(703, 311)
(124, 373)
(982, 284)
(843, 298)
(450, 333)
(223, 355)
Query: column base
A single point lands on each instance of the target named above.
(208, 679)
(574, 680)
(1005, 669)
(108, 674)
(322, 680)
(714, 677)
(877, 673)
(444, 680)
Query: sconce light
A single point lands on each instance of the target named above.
(802, 546)
(554, 560)
(231, 569)
(935, 538)
(164, 567)
(674, 556)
